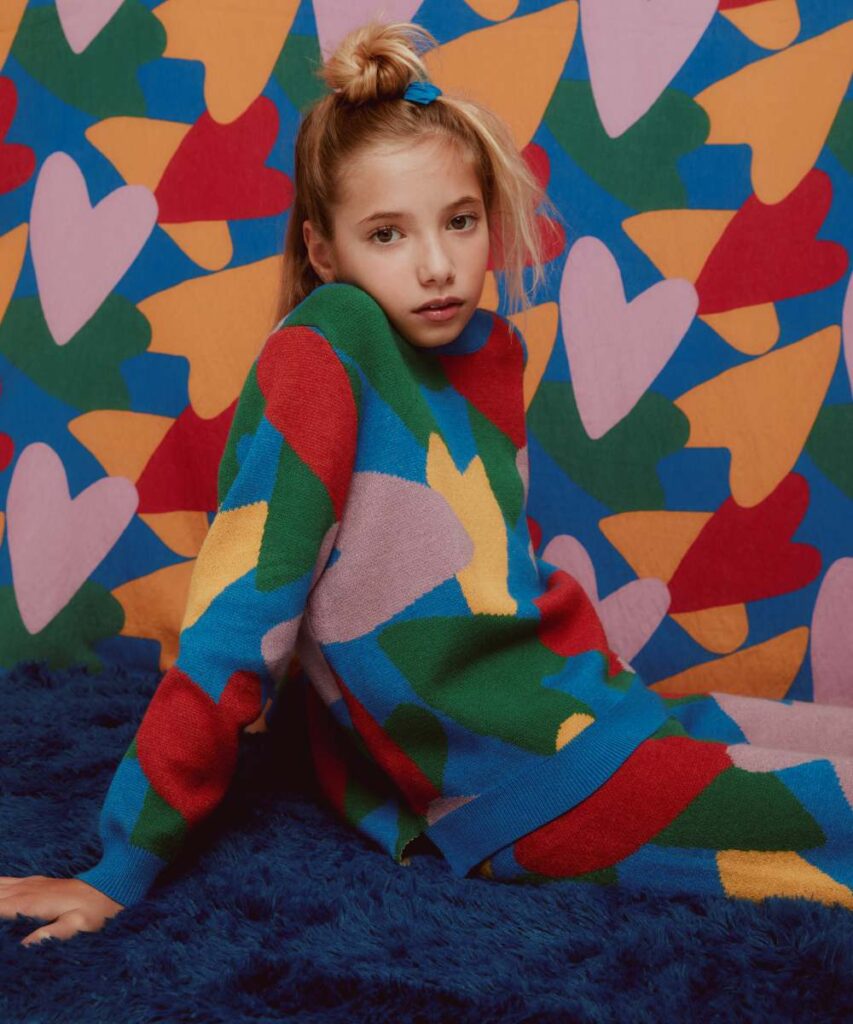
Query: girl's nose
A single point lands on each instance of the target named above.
(435, 262)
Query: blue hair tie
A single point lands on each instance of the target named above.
(421, 92)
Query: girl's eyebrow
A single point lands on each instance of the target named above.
(389, 214)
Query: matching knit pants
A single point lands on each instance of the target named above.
(734, 795)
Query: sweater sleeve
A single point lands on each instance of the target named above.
(283, 481)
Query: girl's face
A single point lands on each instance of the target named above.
(411, 229)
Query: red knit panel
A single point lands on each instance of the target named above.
(310, 401)
(417, 787)
(570, 624)
(647, 792)
(489, 379)
(187, 744)
(328, 763)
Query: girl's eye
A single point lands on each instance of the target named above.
(383, 232)
(464, 216)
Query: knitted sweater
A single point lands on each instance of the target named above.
(371, 530)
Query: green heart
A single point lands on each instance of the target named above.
(619, 468)
(86, 372)
(93, 614)
(830, 445)
(639, 168)
(102, 79)
(292, 71)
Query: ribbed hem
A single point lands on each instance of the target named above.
(124, 873)
(504, 813)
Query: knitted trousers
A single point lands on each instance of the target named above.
(739, 795)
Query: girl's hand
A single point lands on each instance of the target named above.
(69, 904)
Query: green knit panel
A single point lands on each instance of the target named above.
(670, 727)
(422, 737)
(428, 372)
(364, 791)
(743, 810)
(485, 672)
(300, 513)
(355, 324)
(160, 829)
(247, 418)
(498, 454)
(409, 825)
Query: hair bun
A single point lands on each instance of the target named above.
(377, 61)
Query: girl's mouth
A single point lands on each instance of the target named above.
(440, 314)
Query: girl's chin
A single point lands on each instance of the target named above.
(432, 333)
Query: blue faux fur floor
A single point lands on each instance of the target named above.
(279, 912)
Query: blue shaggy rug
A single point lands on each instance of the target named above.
(276, 911)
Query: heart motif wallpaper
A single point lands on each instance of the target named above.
(690, 356)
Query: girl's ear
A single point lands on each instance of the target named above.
(319, 254)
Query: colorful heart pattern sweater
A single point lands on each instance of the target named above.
(371, 542)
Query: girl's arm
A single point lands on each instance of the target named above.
(283, 482)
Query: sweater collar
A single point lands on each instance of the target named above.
(473, 337)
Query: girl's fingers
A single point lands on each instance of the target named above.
(63, 927)
(66, 906)
(57, 930)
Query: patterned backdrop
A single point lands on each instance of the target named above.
(689, 380)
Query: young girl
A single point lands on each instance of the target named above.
(371, 533)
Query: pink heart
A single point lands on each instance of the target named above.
(398, 540)
(335, 18)
(82, 20)
(55, 542)
(79, 252)
(634, 48)
(832, 637)
(630, 615)
(616, 348)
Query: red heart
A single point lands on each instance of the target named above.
(537, 160)
(745, 554)
(569, 622)
(182, 472)
(551, 235)
(218, 172)
(769, 251)
(7, 450)
(17, 162)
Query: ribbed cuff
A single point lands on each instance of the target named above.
(124, 873)
(504, 813)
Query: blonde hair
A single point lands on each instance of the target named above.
(368, 74)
